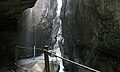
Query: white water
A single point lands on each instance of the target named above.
(57, 48)
(59, 7)
(59, 37)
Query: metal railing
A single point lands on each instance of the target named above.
(46, 56)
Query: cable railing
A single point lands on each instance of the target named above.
(46, 58)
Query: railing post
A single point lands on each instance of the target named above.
(34, 53)
(46, 59)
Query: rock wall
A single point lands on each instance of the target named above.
(15, 6)
(92, 34)
(10, 12)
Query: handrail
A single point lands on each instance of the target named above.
(70, 61)
(28, 48)
(91, 69)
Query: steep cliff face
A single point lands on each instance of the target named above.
(92, 34)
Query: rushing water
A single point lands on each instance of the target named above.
(57, 23)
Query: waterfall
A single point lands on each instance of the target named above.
(29, 28)
(26, 33)
(33, 22)
(57, 34)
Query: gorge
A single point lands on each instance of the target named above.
(86, 31)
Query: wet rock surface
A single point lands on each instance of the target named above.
(91, 32)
